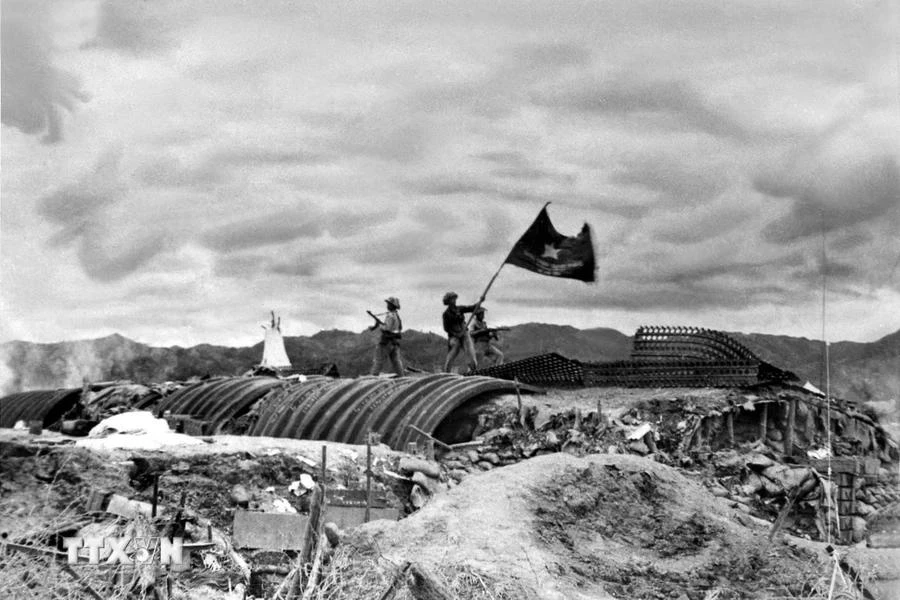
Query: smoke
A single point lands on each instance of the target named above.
(26, 366)
(34, 93)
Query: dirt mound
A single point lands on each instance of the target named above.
(600, 526)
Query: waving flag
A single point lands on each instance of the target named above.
(544, 250)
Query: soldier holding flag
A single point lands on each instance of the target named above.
(458, 338)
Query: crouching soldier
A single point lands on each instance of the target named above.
(484, 338)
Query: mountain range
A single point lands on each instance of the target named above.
(863, 372)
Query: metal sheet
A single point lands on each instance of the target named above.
(47, 406)
(346, 410)
(269, 531)
(217, 402)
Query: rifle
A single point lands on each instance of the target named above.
(490, 332)
(377, 320)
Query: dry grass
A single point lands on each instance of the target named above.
(353, 574)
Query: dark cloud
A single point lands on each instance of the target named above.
(168, 171)
(437, 217)
(110, 261)
(850, 241)
(136, 27)
(402, 248)
(680, 179)
(504, 158)
(34, 94)
(545, 57)
(343, 224)
(446, 185)
(302, 268)
(663, 103)
(107, 252)
(265, 230)
(252, 157)
(832, 196)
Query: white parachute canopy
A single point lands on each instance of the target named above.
(274, 354)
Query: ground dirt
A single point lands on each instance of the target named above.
(552, 527)
(601, 526)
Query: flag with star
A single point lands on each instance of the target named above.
(544, 250)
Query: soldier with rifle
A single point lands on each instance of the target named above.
(483, 336)
(389, 342)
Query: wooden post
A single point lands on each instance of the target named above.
(424, 586)
(368, 476)
(518, 400)
(810, 428)
(599, 412)
(155, 495)
(324, 464)
(763, 422)
(788, 440)
(578, 419)
(398, 580)
(729, 423)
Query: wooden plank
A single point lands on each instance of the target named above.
(348, 517)
(354, 498)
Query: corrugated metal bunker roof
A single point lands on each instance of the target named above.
(339, 410)
(47, 406)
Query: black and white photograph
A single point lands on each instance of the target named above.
(444, 300)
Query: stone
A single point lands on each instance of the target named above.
(412, 465)
(473, 456)
(718, 491)
(864, 509)
(485, 465)
(752, 485)
(774, 435)
(552, 439)
(417, 497)
(431, 485)
(492, 457)
(457, 475)
(454, 464)
(240, 495)
(788, 478)
(638, 447)
(759, 461)
(333, 533)
(858, 524)
(741, 507)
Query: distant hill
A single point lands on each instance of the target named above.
(859, 371)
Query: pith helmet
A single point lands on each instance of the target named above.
(480, 310)
(393, 300)
(449, 297)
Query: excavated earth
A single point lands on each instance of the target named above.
(549, 521)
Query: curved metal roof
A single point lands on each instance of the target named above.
(47, 406)
(219, 401)
(346, 410)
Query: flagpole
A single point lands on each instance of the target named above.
(491, 282)
(484, 293)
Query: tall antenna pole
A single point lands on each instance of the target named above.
(824, 268)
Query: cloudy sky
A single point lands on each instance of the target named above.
(173, 170)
